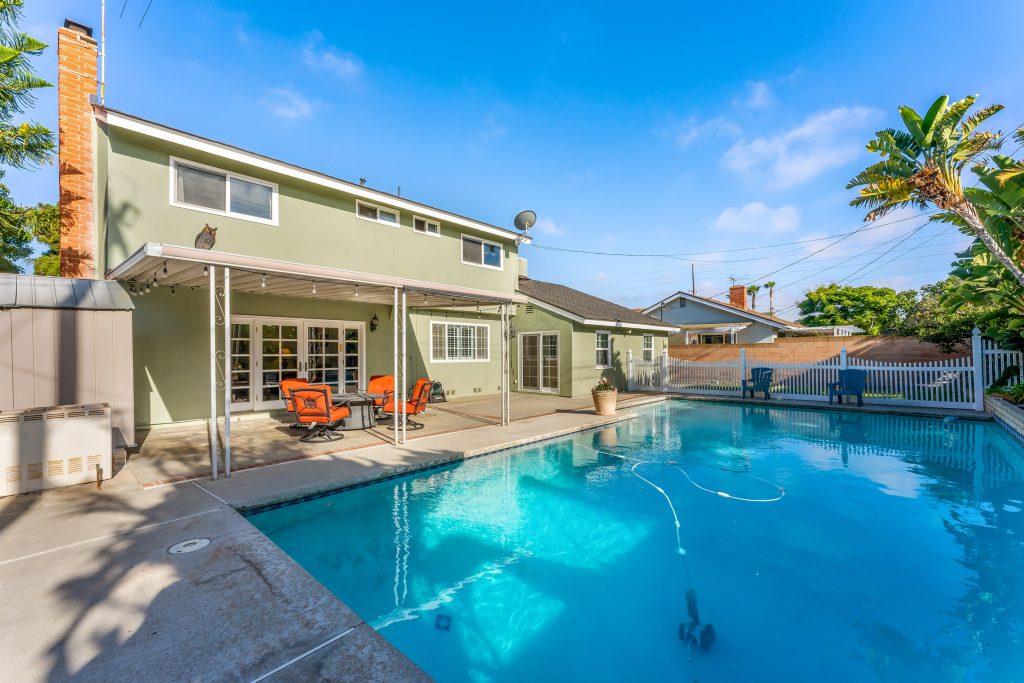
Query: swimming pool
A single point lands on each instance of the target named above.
(892, 549)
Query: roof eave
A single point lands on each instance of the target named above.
(142, 126)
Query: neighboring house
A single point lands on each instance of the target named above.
(323, 272)
(822, 331)
(567, 340)
(707, 321)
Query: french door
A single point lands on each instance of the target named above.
(538, 361)
(265, 351)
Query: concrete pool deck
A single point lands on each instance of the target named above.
(92, 593)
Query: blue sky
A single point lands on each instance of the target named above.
(696, 129)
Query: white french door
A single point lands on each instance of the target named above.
(265, 351)
(538, 360)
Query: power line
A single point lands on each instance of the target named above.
(681, 255)
(148, 5)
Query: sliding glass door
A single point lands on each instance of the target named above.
(538, 361)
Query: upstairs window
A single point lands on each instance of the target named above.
(604, 350)
(648, 348)
(426, 227)
(380, 214)
(229, 194)
(452, 342)
(481, 253)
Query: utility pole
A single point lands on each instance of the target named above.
(693, 280)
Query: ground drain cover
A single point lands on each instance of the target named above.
(189, 546)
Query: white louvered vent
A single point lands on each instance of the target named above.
(43, 448)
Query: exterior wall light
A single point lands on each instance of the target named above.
(374, 323)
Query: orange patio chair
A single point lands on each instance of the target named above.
(286, 388)
(416, 404)
(314, 411)
(380, 384)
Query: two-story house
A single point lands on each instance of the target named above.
(302, 274)
(309, 276)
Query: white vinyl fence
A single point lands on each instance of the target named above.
(953, 383)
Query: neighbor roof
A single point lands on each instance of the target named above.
(38, 291)
(725, 305)
(586, 308)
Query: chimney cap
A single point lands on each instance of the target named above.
(78, 27)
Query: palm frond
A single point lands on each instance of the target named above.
(978, 118)
(932, 117)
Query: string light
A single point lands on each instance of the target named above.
(314, 288)
(165, 267)
(206, 270)
(263, 282)
(357, 290)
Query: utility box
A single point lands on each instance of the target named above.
(43, 448)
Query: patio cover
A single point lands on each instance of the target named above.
(168, 265)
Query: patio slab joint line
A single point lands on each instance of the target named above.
(306, 654)
(103, 538)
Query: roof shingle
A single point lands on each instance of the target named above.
(585, 305)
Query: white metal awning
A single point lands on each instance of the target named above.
(173, 266)
(170, 266)
(714, 327)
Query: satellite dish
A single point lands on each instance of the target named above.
(525, 220)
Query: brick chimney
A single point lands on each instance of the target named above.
(76, 83)
(738, 296)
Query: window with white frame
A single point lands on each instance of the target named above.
(481, 252)
(648, 348)
(452, 342)
(426, 226)
(196, 186)
(604, 350)
(379, 214)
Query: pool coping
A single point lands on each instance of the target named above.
(866, 409)
(281, 494)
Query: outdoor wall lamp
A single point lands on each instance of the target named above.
(374, 323)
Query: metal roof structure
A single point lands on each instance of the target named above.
(40, 291)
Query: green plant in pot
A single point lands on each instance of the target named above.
(605, 396)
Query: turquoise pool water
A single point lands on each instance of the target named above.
(896, 553)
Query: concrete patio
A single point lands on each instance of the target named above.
(173, 454)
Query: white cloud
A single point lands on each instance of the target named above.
(757, 217)
(548, 226)
(759, 95)
(692, 129)
(288, 104)
(822, 141)
(319, 55)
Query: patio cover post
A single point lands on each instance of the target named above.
(405, 358)
(506, 396)
(394, 366)
(213, 371)
(227, 372)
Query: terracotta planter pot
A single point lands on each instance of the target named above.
(604, 401)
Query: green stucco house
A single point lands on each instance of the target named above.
(246, 270)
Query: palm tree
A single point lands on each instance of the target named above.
(923, 165)
(771, 296)
(752, 290)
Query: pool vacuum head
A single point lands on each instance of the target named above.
(702, 634)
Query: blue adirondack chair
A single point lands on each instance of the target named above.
(851, 383)
(760, 380)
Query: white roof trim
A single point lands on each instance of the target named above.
(598, 323)
(137, 125)
(719, 306)
(305, 271)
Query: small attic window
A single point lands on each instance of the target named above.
(682, 303)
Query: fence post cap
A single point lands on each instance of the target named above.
(976, 332)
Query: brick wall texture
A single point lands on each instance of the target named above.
(76, 82)
(814, 349)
